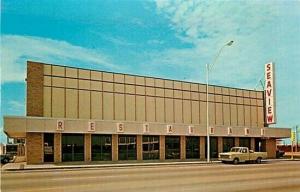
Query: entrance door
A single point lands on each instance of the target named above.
(127, 147)
(48, 147)
(72, 147)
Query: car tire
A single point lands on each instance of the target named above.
(235, 161)
(258, 160)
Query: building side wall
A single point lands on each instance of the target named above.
(34, 147)
(86, 94)
(35, 78)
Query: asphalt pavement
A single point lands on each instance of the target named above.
(273, 176)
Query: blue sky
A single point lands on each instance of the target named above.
(170, 39)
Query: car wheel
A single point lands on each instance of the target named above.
(258, 160)
(236, 161)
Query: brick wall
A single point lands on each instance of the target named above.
(57, 148)
(182, 148)
(202, 148)
(162, 147)
(114, 145)
(35, 80)
(271, 148)
(139, 147)
(87, 147)
(34, 147)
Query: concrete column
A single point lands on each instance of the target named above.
(182, 148)
(271, 148)
(87, 147)
(162, 147)
(252, 144)
(236, 142)
(57, 148)
(114, 146)
(139, 147)
(220, 144)
(202, 148)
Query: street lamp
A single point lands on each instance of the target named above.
(209, 67)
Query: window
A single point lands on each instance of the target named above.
(72, 147)
(192, 147)
(127, 147)
(48, 147)
(101, 148)
(150, 147)
(228, 143)
(172, 147)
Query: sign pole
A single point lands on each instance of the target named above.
(292, 144)
(296, 135)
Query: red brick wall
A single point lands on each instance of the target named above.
(35, 79)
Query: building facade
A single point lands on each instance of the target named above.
(86, 115)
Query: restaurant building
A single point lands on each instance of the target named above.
(75, 114)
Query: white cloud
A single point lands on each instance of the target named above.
(258, 28)
(263, 31)
(17, 49)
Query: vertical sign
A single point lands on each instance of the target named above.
(293, 136)
(91, 126)
(60, 125)
(270, 93)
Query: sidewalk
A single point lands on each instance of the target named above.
(79, 165)
(24, 166)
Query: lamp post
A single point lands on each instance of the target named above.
(209, 67)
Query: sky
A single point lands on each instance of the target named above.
(170, 39)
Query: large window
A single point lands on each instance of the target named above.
(245, 142)
(150, 147)
(48, 147)
(72, 147)
(260, 145)
(101, 147)
(228, 143)
(172, 147)
(192, 147)
(213, 147)
(127, 147)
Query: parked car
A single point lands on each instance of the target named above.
(5, 159)
(242, 154)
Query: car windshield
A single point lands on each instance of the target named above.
(235, 149)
